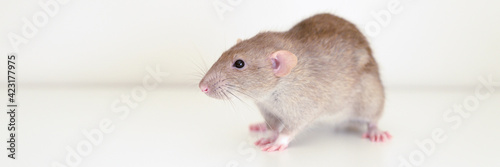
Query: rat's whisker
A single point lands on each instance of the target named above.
(205, 69)
(229, 100)
(232, 87)
(198, 68)
(238, 99)
(197, 75)
(235, 96)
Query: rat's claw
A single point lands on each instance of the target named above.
(259, 127)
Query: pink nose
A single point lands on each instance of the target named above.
(204, 88)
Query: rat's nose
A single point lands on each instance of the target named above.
(204, 88)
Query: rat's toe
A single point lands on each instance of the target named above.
(278, 144)
(377, 136)
(265, 141)
(274, 147)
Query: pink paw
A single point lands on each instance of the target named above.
(259, 127)
(275, 143)
(274, 147)
(265, 141)
(377, 136)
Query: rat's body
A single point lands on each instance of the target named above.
(321, 67)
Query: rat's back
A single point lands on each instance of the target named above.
(331, 47)
(327, 27)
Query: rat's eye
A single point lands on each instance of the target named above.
(239, 63)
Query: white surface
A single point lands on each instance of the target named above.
(426, 42)
(183, 127)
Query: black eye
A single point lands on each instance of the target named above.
(239, 64)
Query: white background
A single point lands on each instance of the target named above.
(432, 43)
(91, 53)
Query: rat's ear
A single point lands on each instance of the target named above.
(283, 62)
(238, 40)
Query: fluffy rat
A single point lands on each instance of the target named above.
(321, 67)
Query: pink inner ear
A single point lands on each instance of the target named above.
(283, 62)
(276, 63)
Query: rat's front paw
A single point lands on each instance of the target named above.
(275, 147)
(265, 141)
(271, 144)
(258, 127)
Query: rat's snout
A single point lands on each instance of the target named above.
(213, 86)
(204, 87)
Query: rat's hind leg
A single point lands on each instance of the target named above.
(370, 115)
(374, 134)
(370, 107)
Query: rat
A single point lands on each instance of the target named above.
(321, 67)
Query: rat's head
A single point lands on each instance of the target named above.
(247, 70)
